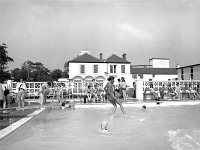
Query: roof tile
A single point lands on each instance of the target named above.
(86, 58)
(115, 59)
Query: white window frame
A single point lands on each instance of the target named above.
(114, 69)
(96, 68)
(81, 68)
(123, 70)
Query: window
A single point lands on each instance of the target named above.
(141, 76)
(113, 68)
(122, 68)
(182, 74)
(134, 76)
(191, 73)
(95, 68)
(82, 69)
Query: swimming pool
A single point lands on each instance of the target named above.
(157, 128)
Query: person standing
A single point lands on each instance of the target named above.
(43, 92)
(2, 97)
(7, 88)
(110, 89)
(21, 90)
(123, 87)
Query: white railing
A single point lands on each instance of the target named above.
(74, 88)
(182, 84)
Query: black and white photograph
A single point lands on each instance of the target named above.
(99, 74)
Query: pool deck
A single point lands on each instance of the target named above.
(30, 111)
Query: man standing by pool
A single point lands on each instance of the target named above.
(109, 89)
(43, 92)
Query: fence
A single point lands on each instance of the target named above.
(79, 88)
(183, 85)
(74, 88)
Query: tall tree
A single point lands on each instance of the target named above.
(4, 60)
(56, 74)
(65, 73)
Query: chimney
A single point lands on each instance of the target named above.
(124, 56)
(101, 56)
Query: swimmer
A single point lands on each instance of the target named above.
(144, 107)
(158, 103)
(104, 126)
(68, 104)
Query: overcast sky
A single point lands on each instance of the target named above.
(55, 31)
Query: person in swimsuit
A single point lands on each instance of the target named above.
(89, 93)
(2, 97)
(43, 92)
(109, 88)
(21, 90)
(7, 88)
(68, 104)
(104, 126)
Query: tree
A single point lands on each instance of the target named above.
(16, 74)
(4, 60)
(65, 73)
(31, 71)
(56, 74)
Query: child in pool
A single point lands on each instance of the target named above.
(68, 104)
(104, 126)
(144, 107)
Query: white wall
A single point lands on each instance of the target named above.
(159, 63)
(146, 77)
(74, 69)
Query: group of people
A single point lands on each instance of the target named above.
(5, 94)
(120, 89)
(169, 92)
(99, 94)
(95, 94)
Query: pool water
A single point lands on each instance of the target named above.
(157, 128)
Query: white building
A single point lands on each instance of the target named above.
(157, 70)
(159, 62)
(154, 74)
(87, 68)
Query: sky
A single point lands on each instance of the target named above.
(55, 31)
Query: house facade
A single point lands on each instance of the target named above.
(87, 68)
(191, 72)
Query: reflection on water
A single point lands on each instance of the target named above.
(184, 139)
(161, 128)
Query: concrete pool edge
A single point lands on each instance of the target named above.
(140, 104)
(11, 128)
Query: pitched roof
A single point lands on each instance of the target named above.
(85, 58)
(189, 66)
(158, 71)
(115, 59)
